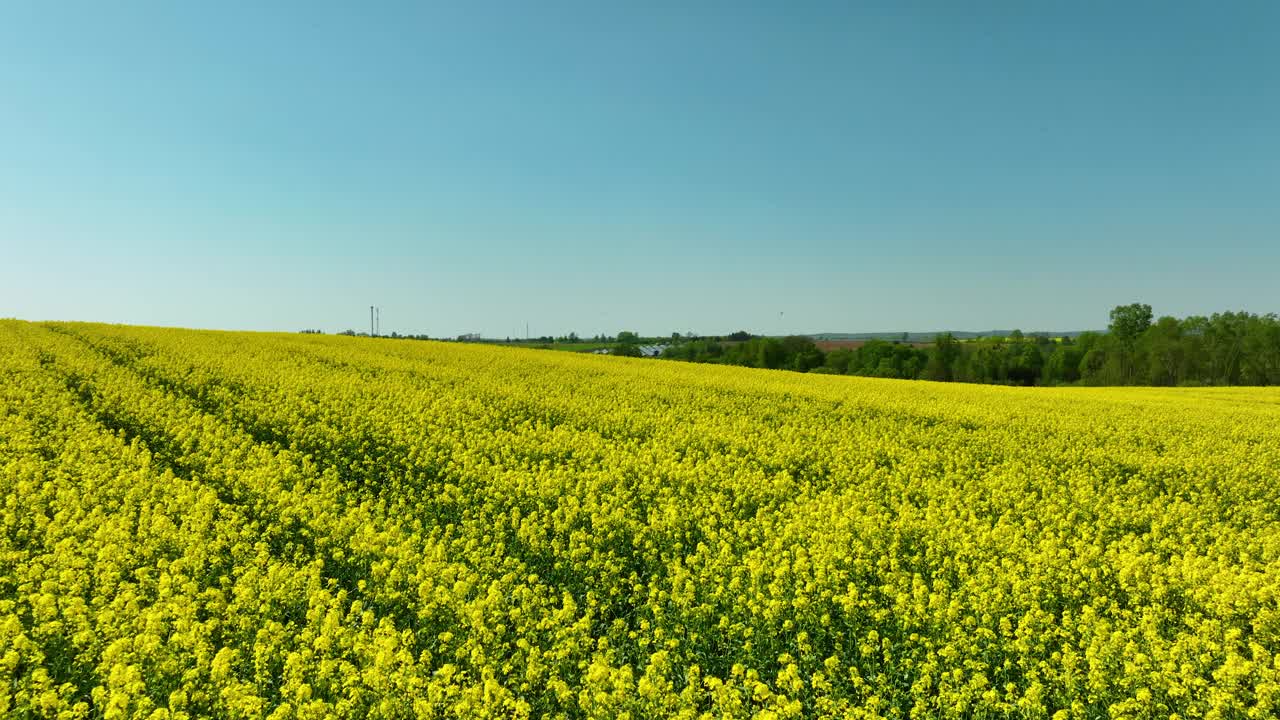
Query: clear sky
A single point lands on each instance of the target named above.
(656, 166)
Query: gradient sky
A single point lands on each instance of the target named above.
(656, 166)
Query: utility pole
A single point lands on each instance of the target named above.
(370, 321)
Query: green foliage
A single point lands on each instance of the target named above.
(1224, 349)
(1130, 321)
(942, 360)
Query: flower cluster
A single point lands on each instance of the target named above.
(298, 526)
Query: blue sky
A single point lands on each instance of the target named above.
(657, 166)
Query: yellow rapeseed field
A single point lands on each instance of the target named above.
(245, 525)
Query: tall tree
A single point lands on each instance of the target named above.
(1128, 322)
(1165, 353)
(942, 358)
(1262, 351)
(1224, 343)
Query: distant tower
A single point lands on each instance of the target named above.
(371, 330)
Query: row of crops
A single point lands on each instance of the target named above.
(293, 526)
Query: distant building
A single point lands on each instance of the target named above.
(645, 350)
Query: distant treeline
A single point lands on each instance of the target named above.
(1231, 348)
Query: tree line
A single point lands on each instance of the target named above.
(1229, 348)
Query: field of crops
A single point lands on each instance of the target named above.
(255, 525)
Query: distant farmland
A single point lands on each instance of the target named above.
(829, 345)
